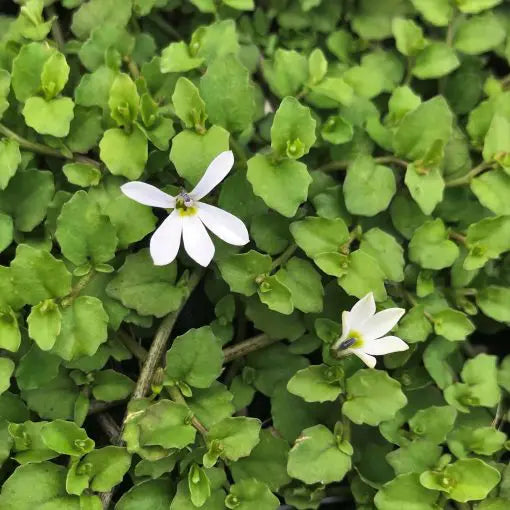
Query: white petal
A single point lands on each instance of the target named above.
(369, 361)
(381, 323)
(361, 311)
(197, 242)
(147, 194)
(215, 173)
(225, 225)
(385, 345)
(346, 327)
(166, 240)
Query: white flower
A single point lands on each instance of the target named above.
(363, 331)
(190, 217)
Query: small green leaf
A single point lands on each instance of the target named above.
(492, 189)
(452, 324)
(317, 383)
(251, 495)
(188, 104)
(54, 75)
(433, 423)
(293, 129)
(66, 438)
(269, 179)
(176, 58)
(434, 61)
(124, 100)
(106, 467)
(415, 457)
(49, 117)
(147, 496)
(195, 358)
(82, 174)
(316, 457)
(372, 397)
(6, 370)
(286, 73)
(10, 159)
(44, 323)
(493, 301)
(368, 187)
(408, 36)
(479, 34)
(110, 385)
(426, 187)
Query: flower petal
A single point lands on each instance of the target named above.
(381, 323)
(197, 242)
(385, 345)
(147, 194)
(369, 361)
(215, 173)
(346, 327)
(166, 240)
(225, 225)
(361, 311)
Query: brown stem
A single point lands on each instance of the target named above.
(457, 236)
(176, 395)
(247, 346)
(133, 346)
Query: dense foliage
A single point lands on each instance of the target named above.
(372, 149)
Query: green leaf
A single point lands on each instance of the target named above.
(211, 405)
(415, 457)
(241, 5)
(84, 234)
(216, 41)
(44, 323)
(192, 152)
(27, 197)
(54, 75)
(49, 117)
(492, 189)
(408, 36)
(124, 154)
(251, 495)
(216, 501)
(6, 231)
(422, 127)
(5, 85)
(241, 271)
(124, 100)
(479, 34)
(147, 496)
(36, 368)
(267, 462)
(430, 246)
(388, 253)
(426, 186)
(316, 457)
(233, 111)
(304, 284)
(317, 383)
(176, 58)
(319, 235)
(434, 61)
(10, 159)
(28, 444)
(47, 480)
(270, 236)
(188, 104)
(464, 480)
(286, 73)
(452, 324)
(368, 187)
(146, 288)
(335, 89)
(482, 441)
(82, 174)
(66, 438)
(110, 386)
(337, 130)
(283, 186)
(317, 65)
(493, 301)
(476, 6)
(199, 485)
(275, 295)
(165, 424)
(486, 240)
(293, 129)
(433, 423)
(94, 88)
(83, 329)
(106, 467)
(372, 397)
(237, 436)
(6, 370)
(38, 275)
(405, 491)
(363, 275)
(195, 358)
(495, 144)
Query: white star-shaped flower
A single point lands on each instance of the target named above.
(363, 331)
(190, 217)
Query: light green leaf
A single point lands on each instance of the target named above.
(433, 423)
(479, 34)
(188, 104)
(6, 370)
(6, 231)
(110, 385)
(176, 58)
(293, 129)
(275, 295)
(124, 100)
(211, 405)
(476, 6)
(317, 383)
(195, 358)
(107, 467)
(82, 174)
(368, 187)
(496, 145)
(146, 288)
(10, 158)
(49, 117)
(452, 324)
(493, 301)
(492, 190)
(372, 397)
(44, 324)
(97, 12)
(283, 186)
(426, 186)
(66, 438)
(54, 75)
(251, 495)
(147, 496)
(415, 457)
(286, 73)
(408, 36)
(434, 61)
(430, 246)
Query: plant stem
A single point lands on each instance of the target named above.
(239, 151)
(159, 343)
(39, 148)
(161, 23)
(286, 255)
(457, 236)
(133, 346)
(56, 30)
(109, 426)
(247, 346)
(466, 179)
(176, 395)
(333, 166)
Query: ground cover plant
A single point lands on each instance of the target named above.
(351, 162)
